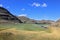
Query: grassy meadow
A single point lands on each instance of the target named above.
(28, 32)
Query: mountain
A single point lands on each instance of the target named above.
(7, 17)
(58, 20)
(46, 21)
(25, 19)
(57, 23)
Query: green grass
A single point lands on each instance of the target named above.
(29, 27)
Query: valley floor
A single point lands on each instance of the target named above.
(28, 32)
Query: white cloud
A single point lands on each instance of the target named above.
(1, 5)
(23, 15)
(23, 9)
(36, 4)
(44, 5)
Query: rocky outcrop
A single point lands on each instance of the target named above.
(7, 17)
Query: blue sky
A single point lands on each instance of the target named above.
(35, 9)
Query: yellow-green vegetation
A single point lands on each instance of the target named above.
(18, 33)
(29, 27)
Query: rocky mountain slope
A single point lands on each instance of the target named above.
(7, 17)
(26, 19)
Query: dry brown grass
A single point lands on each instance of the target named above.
(35, 35)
